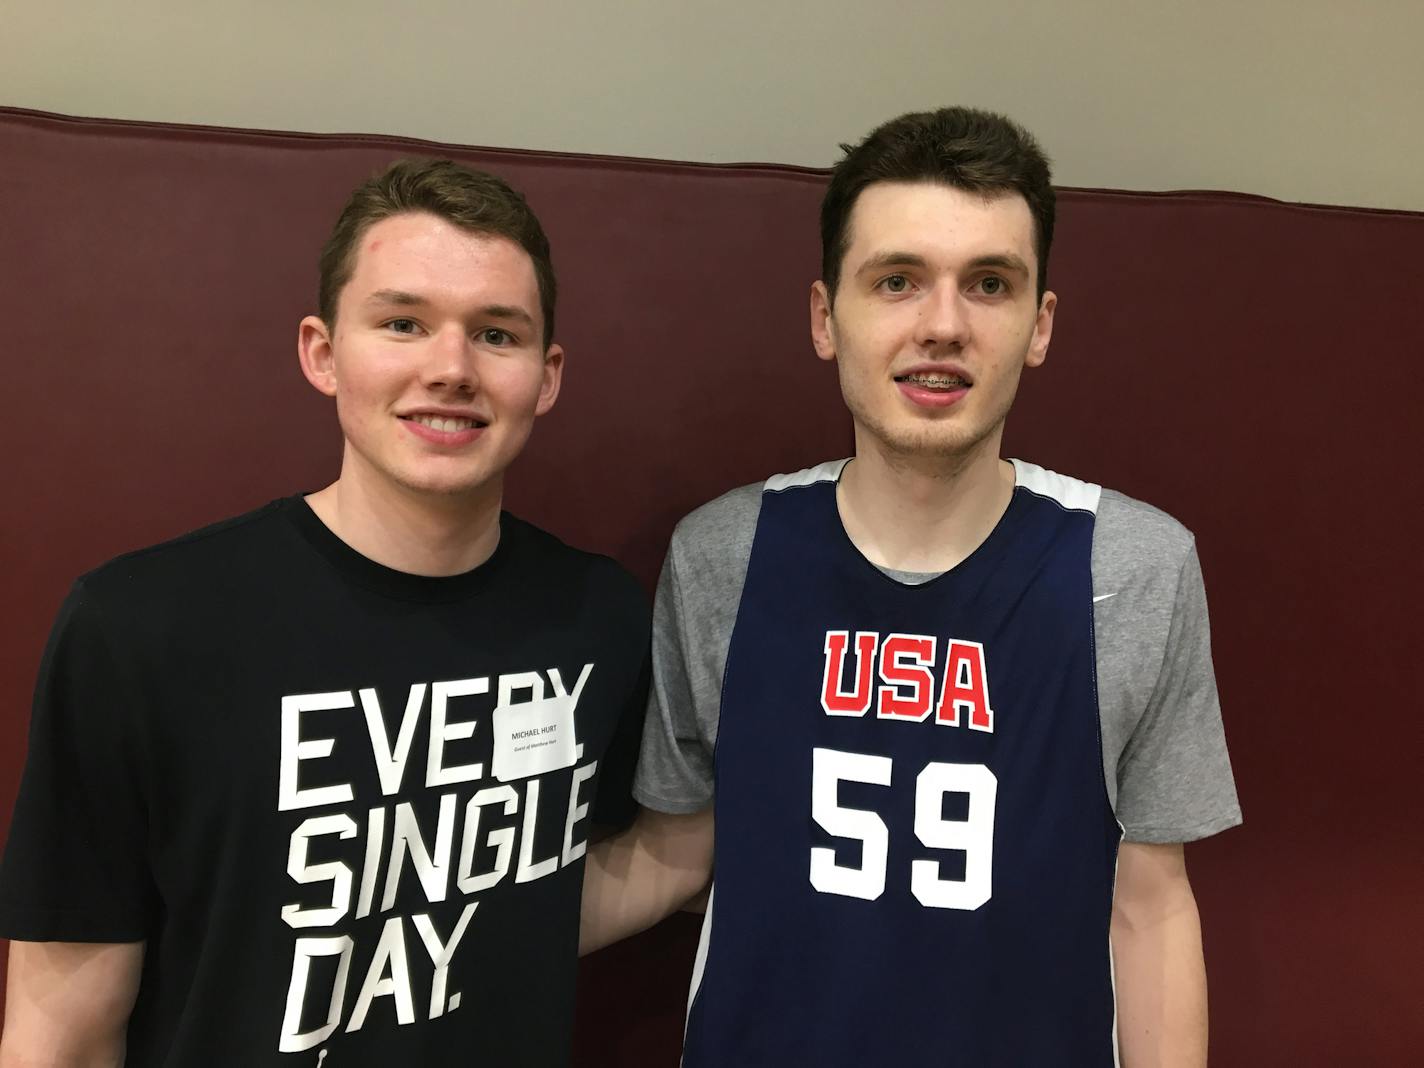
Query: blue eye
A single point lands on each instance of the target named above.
(402, 326)
(495, 336)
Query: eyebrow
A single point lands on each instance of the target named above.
(395, 296)
(1004, 261)
(401, 298)
(881, 260)
(508, 311)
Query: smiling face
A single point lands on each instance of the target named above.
(436, 359)
(934, 318)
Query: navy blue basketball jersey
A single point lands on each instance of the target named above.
(915, 850)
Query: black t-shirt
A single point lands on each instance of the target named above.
(346, 807)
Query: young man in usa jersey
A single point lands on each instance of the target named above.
(947, 718)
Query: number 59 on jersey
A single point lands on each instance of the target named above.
(973, 835)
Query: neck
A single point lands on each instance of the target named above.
(918, 513)
(418, 533)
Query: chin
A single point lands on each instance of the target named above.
(927, 442)
(446, 488)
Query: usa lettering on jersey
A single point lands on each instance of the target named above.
(908, 689)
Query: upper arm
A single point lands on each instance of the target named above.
(1160, 975)
(680, 843)
(76, 893)
(675, 766)
(1174, 780)
(693, 616)
(613, 807)
(1152, 883)
(69, 1002)
(634, 880)
(75, 867)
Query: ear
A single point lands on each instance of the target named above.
(318, 359)
(823, 334)
(1042, 331)
(553, 379)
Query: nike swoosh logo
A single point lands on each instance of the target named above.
(1104, 597)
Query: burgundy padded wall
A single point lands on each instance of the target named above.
(1253, 367)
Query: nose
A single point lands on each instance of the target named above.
(943, 320)
(450, 362)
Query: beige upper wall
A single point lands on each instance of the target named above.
(1297, 99)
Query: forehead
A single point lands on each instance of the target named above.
(424, 254)
(939, 222)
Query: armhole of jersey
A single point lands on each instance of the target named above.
(1070, 493)
(1112, 965)
(699, 962)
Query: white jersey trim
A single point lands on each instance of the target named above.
(1112, 965)
(700, 962)
(830, 471)
(1073, 494)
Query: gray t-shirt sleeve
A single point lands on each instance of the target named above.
(693, 615)
(1161, 719)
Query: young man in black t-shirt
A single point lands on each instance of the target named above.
(315, 782)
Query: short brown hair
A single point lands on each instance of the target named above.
(977, 151)
(470, 199)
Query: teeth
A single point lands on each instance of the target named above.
(436, 422)
(935, 381)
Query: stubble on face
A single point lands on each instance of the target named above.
(946, 444)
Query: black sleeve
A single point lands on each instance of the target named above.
(613, 804)
(74, 868)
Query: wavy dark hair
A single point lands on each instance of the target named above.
(977, 151)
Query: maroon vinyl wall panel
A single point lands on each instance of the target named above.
(1253, 367)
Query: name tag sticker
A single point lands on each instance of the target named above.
(534, 737)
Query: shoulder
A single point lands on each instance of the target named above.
(713, 543)
(1137, 549)
(554, 558)
(1133, 536)
(185, 561)
(720, 530)
(1146, 584)
(1069, 493)
(707, 561)
(724, 527)
(144, 600)
(1127, 533)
